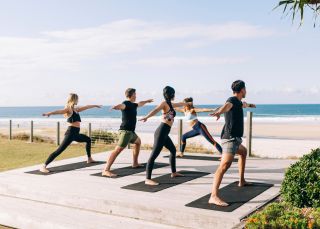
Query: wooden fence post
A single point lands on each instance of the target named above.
(249, 133)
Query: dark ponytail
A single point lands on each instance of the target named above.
(169, 103)
(168, 94)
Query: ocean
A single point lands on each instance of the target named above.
(268, 113)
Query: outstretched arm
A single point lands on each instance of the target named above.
(180, 110)
(118, 107)
(153, 112)
(80, 109)
(142, 103)
(248, 105)
(63, 111)
(225, 108)
(199, 110)
(182, 104)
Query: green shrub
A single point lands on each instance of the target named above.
(26, 137)
(301, 185)
(102, 136)
(283, 215)
(42, 139)
(315, 218)
(21, 136)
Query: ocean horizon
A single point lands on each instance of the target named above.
(263, 112)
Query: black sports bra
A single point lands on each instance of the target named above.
(75, 117)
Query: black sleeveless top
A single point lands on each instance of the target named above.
(75, 117)
(234, 125)
(129, 116)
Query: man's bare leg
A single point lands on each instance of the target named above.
(110, 162)
(242, 152)
(136, 151)
(225, 164)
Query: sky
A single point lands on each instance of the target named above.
(98, 48)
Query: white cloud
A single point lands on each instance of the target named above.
(184, 61)
(315, 90)
(67, 49)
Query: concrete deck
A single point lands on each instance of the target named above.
(75, 199)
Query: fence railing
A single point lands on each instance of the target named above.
(98, 131)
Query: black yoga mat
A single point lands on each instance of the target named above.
(67, 167)
(202, 158)
(127, 171)
(166, 181)
(235, 196)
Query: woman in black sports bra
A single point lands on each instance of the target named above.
(161, 136)
(73, 131)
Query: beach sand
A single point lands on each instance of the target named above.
(273, 139)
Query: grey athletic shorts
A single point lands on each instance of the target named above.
(231, 145)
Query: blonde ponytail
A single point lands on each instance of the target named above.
(72, 101)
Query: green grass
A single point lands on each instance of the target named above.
(17, 154)
(20, 153)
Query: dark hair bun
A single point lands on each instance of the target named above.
(188, 100)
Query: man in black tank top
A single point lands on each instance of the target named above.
(231, 136)
(129, 116)
(127, 133)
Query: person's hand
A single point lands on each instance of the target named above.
(46, 115)
(113, 108)
(252, 105)
(99, 106)
(215, 114)
(143, 119)
(149, 101)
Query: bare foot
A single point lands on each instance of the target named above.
(244, 183)
(108, 174)
(180, 155)
(217, 201)
(90, 160)
(135, 166)
(44, 170)
(173, 175)
(151, 182)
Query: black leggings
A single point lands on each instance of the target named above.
(162, 139)
(72, 134)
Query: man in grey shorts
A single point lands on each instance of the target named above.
(231, 136)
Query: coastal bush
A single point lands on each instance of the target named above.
(284, 215)
(21, 136)
(26, 137)
(301, 185)
(102, 136)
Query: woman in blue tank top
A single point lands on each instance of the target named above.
(198, 128)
